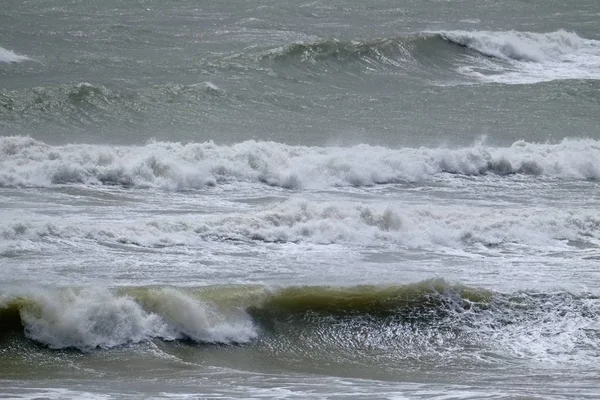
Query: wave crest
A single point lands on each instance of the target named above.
(373, 54)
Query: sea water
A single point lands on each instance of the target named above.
(266, 199)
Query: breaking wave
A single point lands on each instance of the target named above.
(30, 163)
(520, 46)
(530, 57)
(409, 321)
(92, 318)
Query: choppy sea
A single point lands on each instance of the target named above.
(289, 199)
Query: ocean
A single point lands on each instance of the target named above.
(300, 199)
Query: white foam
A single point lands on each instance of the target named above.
(557, 331)
(199, 321)
(9, 56)
(531, 57)
(90, 319)
(451, 226)
(176, 166)
(520, 46)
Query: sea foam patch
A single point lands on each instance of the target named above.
(9, 56)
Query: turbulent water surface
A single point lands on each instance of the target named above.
(266, 199)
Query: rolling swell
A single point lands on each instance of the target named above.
(418, 54)
(94, 105)
(433, 52)
(416, 320)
